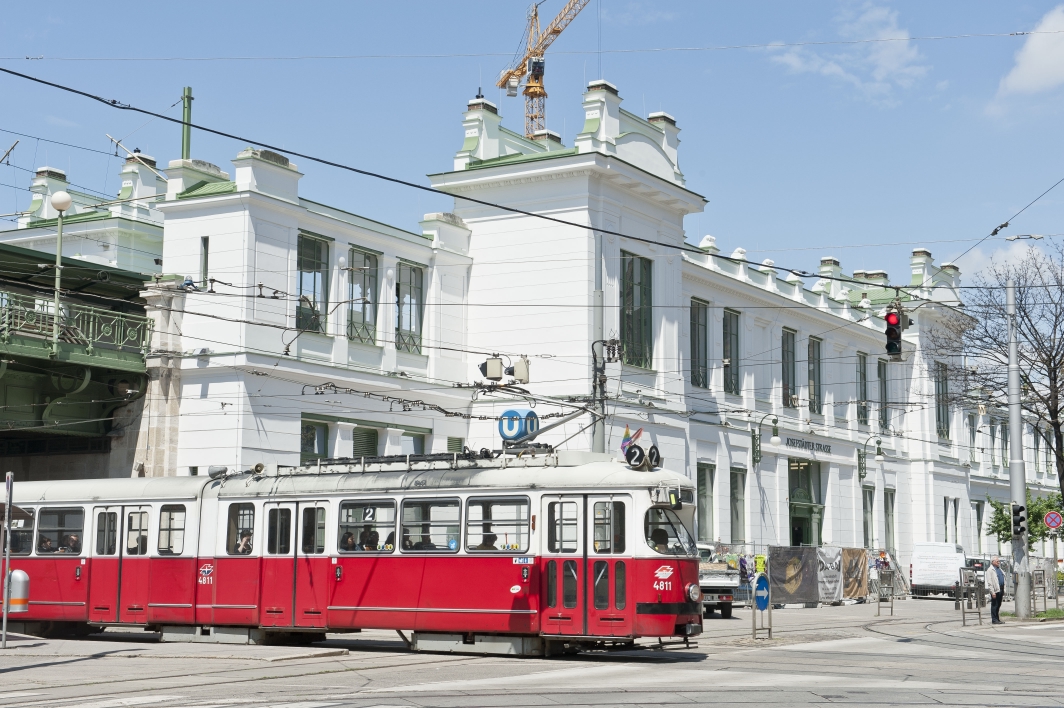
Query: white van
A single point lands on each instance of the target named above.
(935, 567)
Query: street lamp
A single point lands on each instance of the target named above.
(60, 202)
(755, 437)
(862, 456)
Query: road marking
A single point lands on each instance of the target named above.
(134, 701)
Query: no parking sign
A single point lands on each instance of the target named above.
(1054, 519)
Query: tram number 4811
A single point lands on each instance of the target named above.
(663, 585)
(206, 574)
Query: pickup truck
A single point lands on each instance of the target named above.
(717, 581)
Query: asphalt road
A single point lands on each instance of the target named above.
(832, 655)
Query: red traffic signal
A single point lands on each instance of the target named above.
(893, 332)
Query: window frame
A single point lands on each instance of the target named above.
(234, 529)
(613, 525)
(552, 526)
(942, 413)
(60, 530)
(814, 361)
(884, 394)
(788, 373)
(319, 524)
(862, 388)
(21, 530)
(699, 343)
(315, 264)
(321, 440)
(431, 500)
(144, 530)
(730, 342)
(527, 527)
(341, 525)
(637, 310)
(704, 471)
(366, 277)
(410, 284)
(171, 529)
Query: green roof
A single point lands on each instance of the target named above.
(72, 219)
(520, 157)
(207, 189)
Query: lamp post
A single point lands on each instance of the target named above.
(60, 202)
(862, 456)
(755, 437)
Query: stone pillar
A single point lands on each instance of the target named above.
(341, 439)
(393, 444)
(157, 437)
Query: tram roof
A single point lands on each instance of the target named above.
(601, 472)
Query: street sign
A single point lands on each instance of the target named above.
(1054, 519)
(761, 592)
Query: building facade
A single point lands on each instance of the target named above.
(286, 330)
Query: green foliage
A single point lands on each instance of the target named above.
(1000, 522)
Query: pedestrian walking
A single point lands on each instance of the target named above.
(995, 585)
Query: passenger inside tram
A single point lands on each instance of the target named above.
(372, 541)
(488, 543)
(244, 547)
(347, 543)
(425, 544)
(44, 545)
(659, 538)
(73, 544)
(408, 543)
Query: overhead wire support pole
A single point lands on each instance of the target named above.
(186, 127)
(1017, 474)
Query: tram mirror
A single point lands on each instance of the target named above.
(216, 471)
(674, 499)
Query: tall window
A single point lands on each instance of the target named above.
(884, 410)
(409, 305)
(888, 520)
(941, 400)
(699, 343)
(993, 442)
(738, 505)
(971, 436)
(977, 511)
(945, 519)
(816, 403)
(730, 352)
(205, 243)
(868, 496)
(790, 389)
(1004, 444)
(1036, 441)
(704, 482)
(637, 337)
(312, 271)
(362, 292)
(862, 388)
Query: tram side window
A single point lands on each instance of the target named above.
(172, 530)
(60, 531)
(666, 534)
(609, 527)
(569, 580)
(313, 530)
(367, 526)
(620, 585)
(561, 527)
(552, 583)
(22, 533)
(602, 585)
(106, 533)
(137, 533)
(497, 525)
(240, 529)
(431, 525)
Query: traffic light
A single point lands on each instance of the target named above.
(893, 332)
(1019, 519)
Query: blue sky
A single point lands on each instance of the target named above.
(860, 151)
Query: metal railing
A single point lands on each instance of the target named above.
(89, 327)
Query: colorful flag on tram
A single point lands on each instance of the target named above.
(629, 439)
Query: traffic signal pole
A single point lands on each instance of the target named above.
(1017, 474)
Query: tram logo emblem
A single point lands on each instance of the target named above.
(664, 572)
(206, 569)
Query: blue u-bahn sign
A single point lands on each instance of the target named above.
(514, 424)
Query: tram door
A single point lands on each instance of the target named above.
(278, 566)
(312, 567)
(106, 560)
(609, 562)
(562, 596)
(135, 569)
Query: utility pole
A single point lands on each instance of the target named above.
(61, 201)
(1017, 476)
(186, 120)
(598, 355)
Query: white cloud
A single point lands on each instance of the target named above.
(61, 122)
(978, 260)
(875, 69)
(1040, 62)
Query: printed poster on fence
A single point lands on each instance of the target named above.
(829, 573)
(792, 574)
(854, 573)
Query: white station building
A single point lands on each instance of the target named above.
(288, 295)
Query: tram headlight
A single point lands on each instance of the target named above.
(694, 593)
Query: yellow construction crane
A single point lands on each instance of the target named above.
(532, 63)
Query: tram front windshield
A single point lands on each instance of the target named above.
(666, 534)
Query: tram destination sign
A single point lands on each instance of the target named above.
(808, 445)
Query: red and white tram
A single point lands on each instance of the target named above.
(513, 555)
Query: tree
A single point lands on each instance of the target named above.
(1000, 522)
(978, 334)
